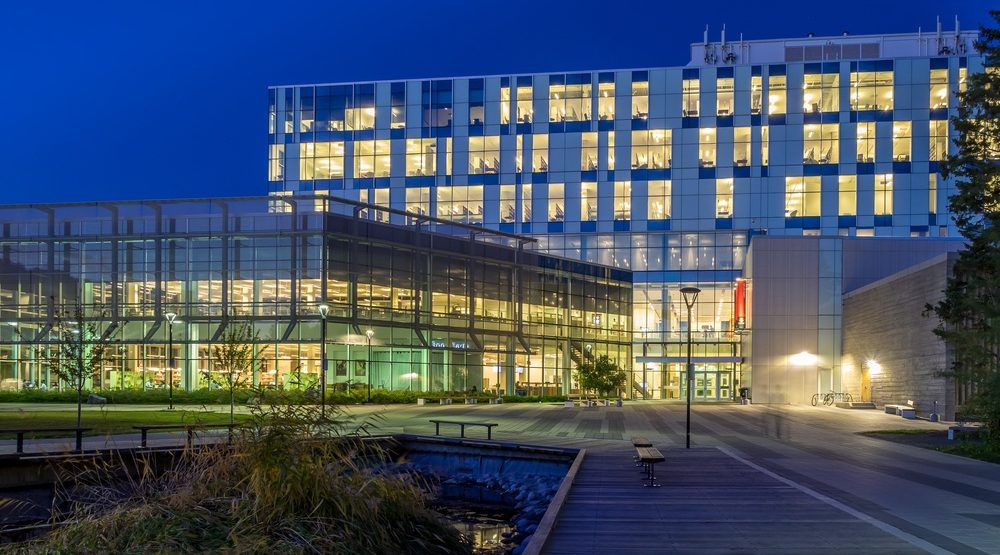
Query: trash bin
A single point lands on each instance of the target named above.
(744, 395)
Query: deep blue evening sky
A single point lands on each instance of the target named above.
(145, 99)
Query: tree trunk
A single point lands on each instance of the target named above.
(79, 402)
(232, 405)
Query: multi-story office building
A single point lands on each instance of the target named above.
(667, 172)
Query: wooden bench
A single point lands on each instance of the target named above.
(461, 426)
(189, 428)
(19, 434)
(649, 457)
(639, 441)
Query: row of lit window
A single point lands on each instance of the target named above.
(868, 90)
(650, 149)
(465, 203)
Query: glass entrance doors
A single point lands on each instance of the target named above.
(712, 382)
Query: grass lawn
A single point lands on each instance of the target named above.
(106, 422)
(972, 446)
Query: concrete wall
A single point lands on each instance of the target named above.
(883, 322)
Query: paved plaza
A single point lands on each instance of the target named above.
(758, 479)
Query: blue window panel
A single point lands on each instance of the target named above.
(776, 120)
(557, 127)
(900, 167)
(476, 129)
(763, 171)
(883, 115)
(689, 123)
(504, 82)
(934, 167)
(364, 183)
(364, 135)
(963, 62)
(383, 182)
(939, 63)
(939, 113)
(866, 168)
(741, 171)
(639, 76)
(932, 219)
(723, 223)
(847, 221)
(864, 116)
(810, 222)
(691, 73)
(606, 77)
(448, 179)
(854, 66)
(812, 117)
(658, 225)
(557, 79)
(578, 79)
(620, 175)
(819, 169)
(588, 226)
(778, 69)
(397, 133)
(793, 223)
(883, 220)
(441, 131)
(420, 181)
(706, 173)
(477, 179)
(577, 126)
(831, 67)
(852, 117)
(508, 228)
(605, 125)
(724, 72)
(524, 81)
(639, 124)
(523, 128)
(539, 177)
(724, 121)
(919, 229)
(755, 70)
(755, 119)
(555, 227)
(589, 175)
(813, 68)
(525, 228)
(830, 117)
(623, 225)
(505, 130)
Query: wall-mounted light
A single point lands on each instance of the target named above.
(805, 358)
(873, 366)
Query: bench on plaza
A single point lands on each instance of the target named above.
(462, 424)
(19, 435)
(189, 428)
(907, 411)
(639, 441)
(649, 457)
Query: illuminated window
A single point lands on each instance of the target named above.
(484, 154)
(611, 150)
(588, 151)
(477, 102)
(557, 202)
(938, 139)
(741, 146)
(448, 153)
(651, 149)
(504, 105)
(379, 197)
(540, 153)
(519, 154)
(397, 106)
(307, 109)
(569, 102)
(724, 96)
(276, 163)
(776, 94)
(362, 115)
(902, 145)
(820, 143)
(866, 142)
(461, 204)
(623, 200)
(932, 193)
(756, 93)
(690, 97)
(939, 89)
(508, 204)
(802, 196)
(821, 93)
(765, 145)
(606, 101)
(706, 148)
(371, 158)
(883, 194)
(526, 202)
(963, 73)
(588, 202)
(321, 160)
(421, 156)
(525, 111)
(847, 195)
(871, 90)
(418, 200)
(658, 200)
(640, 100)
(436, 101)
(724, 198)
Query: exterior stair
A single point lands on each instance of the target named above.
(856, 405)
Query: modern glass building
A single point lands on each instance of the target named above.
(450, 306)
(666, 172)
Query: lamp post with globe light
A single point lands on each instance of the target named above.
(690, 296)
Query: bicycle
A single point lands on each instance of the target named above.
(831, 397)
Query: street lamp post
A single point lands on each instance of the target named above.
(690, 295)
(324, 309)
(171, 316)
(369, 334)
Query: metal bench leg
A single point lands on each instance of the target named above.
(489, 432)
(461, 430)
(20, 443)
(142, 442)
(437, 428)
(652, 477)
(79, 440)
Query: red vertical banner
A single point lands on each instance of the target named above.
(740, 304)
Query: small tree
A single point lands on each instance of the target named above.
(602, 375)
(80, 352)
(235, 360)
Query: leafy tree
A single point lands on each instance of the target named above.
(969, 314)
(601, 375)
(79, 353)
(235, 360)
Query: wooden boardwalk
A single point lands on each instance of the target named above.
(709, 502)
